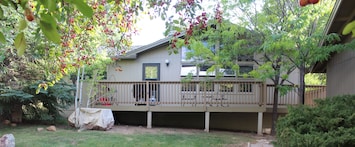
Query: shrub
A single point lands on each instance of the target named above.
(330, 123)
(44, 106)
(47, 104)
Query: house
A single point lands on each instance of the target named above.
(340, 66)
(147, 86)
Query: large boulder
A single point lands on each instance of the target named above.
(7, 140)
(92, 119)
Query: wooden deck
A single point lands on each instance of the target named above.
(196, 96)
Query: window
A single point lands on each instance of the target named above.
(151, 71)
(245, 57)
(227, 72)
(188, 69)
(244, 70)
(185, 52)
(203, 71)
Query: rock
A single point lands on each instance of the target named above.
(267, 131)
(40, 129)
(7, 140)
(6, 122)
(13, 124)
(51, 128)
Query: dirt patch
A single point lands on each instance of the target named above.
(257, 140)
(129, 130)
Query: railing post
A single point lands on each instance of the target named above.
(264, 93)
(147, 93)
(260, 123)
(207, 121)
(261, 87)
(204, 95)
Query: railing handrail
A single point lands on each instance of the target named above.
(260, 92)
(295, 85)
(195, 81)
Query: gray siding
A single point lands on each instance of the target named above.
(132, 69)
(341, 74)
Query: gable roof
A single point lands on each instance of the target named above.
(132, 54)
(343, 12)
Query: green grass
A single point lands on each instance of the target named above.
(28, 136)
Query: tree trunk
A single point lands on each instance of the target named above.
(274, 110)
(16, 113)
(301, 89)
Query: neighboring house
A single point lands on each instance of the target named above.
(146, 86)
(340, 66)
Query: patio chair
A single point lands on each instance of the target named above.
(188, 97)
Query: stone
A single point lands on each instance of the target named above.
(7, 140)
(51, 128)
(40, 129)
(267, 131)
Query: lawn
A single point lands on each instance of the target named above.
(28, 136)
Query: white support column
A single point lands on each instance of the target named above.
(260, 123)
(149, 119)
(207, 121)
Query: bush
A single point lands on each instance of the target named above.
(330, 123)
(42, 107)
(47, 104)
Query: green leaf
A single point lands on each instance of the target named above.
(2, 38)
(1, 13)
(20, 44)
(22, 24)
(49, 19)
(23, 3)
(50, 32)
(2, 58)
(83, 8)
(51, 5)
(48, 26)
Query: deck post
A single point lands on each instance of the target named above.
(260, 123)
(207, 121)
(149, 119)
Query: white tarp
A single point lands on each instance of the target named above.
(93, 119)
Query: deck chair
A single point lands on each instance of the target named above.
(188, 97)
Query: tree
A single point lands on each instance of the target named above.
(284, 35)
(290, 37)
(69, 31)
(47, 40)
(315, 79)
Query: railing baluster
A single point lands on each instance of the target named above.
(219, 93)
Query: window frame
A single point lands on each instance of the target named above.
(157, 65)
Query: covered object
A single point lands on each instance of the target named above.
(93, 119)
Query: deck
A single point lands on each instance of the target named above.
(197, 96)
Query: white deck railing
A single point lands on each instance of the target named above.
(197, 93)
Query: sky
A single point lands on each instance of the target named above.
(150, 31)
(153, 30)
